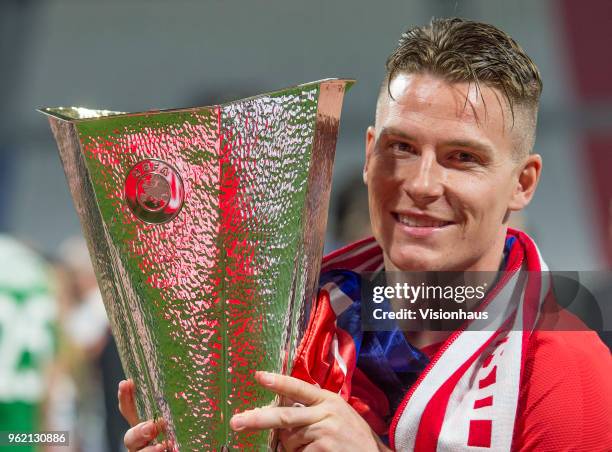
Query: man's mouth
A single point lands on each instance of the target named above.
(420, 221)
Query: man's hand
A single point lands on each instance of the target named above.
(142, 433)
(325, 423)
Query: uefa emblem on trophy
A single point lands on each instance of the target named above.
(154, 191)
(205, 227)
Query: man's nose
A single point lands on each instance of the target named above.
(425, 183)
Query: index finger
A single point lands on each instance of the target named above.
(276, 417)
(291, 387)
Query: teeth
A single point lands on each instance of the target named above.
(421, 222)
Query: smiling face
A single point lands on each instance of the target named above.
(443, 172)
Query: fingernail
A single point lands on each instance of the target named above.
(237, 422)
(147, 431)
(266, 378)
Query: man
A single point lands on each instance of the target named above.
(448, 159)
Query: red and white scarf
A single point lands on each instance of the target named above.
(467, 397)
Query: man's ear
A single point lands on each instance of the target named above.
(528, 176)
(370, 142)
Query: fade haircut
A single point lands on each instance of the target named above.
(459, 50)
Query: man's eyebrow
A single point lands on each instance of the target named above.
(470, 144)
(385, 131)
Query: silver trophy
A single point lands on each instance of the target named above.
(205, 227)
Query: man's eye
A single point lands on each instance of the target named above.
(401, 147)
(464, 157)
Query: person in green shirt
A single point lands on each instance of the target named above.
(27, 314)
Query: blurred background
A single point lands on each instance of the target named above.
(152, 54)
